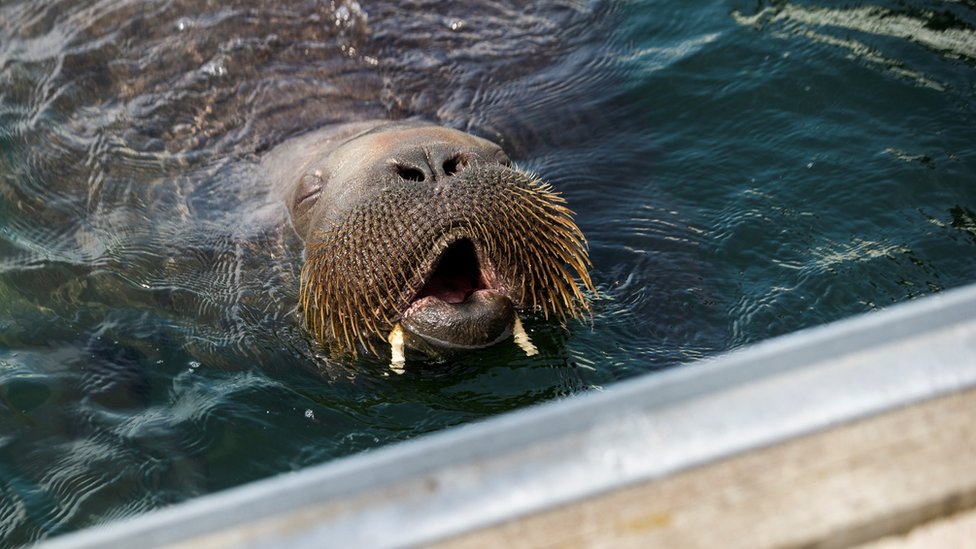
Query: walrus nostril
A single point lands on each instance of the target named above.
(454, 164)
(410, 174)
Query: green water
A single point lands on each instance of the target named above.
(741, 170)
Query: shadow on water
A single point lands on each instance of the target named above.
(740, 169)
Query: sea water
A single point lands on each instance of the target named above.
(741, 170)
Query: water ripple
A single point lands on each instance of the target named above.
(740, 170)
(945, 31)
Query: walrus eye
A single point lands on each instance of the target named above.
(309, 190)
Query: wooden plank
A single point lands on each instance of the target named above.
(847, 485)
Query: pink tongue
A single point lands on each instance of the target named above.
(452, 290)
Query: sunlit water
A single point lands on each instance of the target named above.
(741, 169)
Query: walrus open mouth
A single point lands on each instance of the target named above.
(457, 274)
(461, 304)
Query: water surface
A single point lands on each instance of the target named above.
(741, 170)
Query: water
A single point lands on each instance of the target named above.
(741, 169)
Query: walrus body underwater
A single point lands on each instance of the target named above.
(425, 235)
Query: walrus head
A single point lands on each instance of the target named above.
(432, 229)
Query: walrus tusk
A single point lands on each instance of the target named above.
(522, 338)
(397, 358)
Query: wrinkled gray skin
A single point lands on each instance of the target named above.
(324, 174)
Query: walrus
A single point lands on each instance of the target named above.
(425, 236)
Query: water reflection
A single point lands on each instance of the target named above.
(865, 31)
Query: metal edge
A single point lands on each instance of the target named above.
(476, 475)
